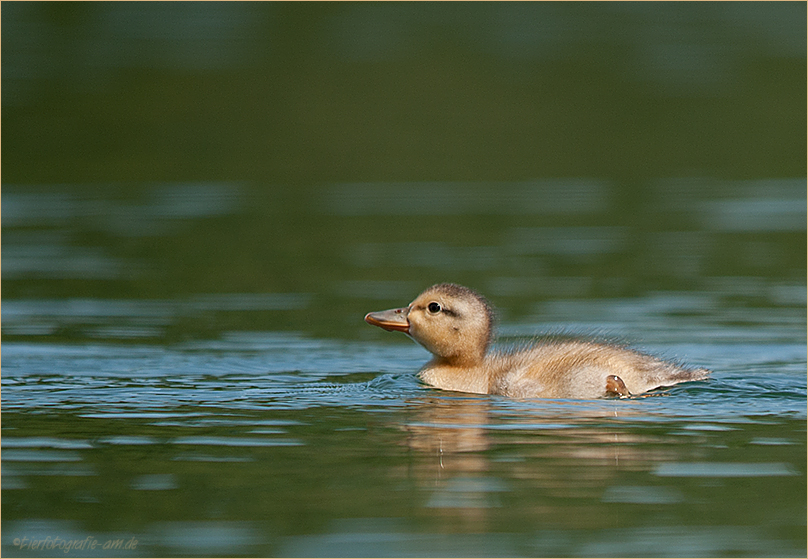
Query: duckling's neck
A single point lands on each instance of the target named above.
(467, 359)
(459, 375)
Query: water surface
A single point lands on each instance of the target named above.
(264, 443)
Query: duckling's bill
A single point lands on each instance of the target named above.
(390, 320)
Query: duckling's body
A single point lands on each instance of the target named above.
(559, 369)
(455, 324)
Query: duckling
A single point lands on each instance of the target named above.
(456, 325)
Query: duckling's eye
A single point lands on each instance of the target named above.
(434, 307)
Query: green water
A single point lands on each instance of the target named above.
(200, 202)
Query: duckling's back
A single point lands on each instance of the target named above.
(579, 369)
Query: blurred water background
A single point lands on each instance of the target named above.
(200, 201)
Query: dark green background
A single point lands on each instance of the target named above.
(668, 106)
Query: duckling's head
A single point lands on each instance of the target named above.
(453, 322)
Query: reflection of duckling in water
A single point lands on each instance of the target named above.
(455, 324)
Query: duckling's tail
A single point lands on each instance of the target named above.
(695, 374)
